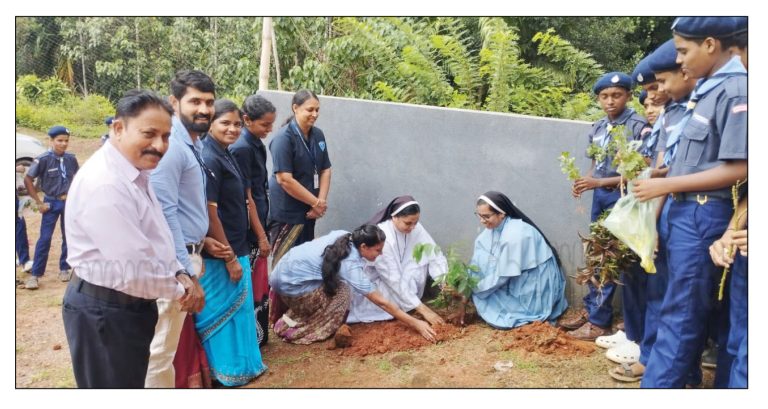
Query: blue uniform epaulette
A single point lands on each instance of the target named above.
(735, 86)
(43, 155)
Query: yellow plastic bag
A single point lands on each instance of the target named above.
(634, 223)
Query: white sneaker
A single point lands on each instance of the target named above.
(626, 353)
(611, 341)
(27, 266)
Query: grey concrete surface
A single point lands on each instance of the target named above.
(446, 158)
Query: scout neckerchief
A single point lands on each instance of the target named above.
(62, 168)
(703, 86)
(295, 126)
(621, 120)
(650, 143)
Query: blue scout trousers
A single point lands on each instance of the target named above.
(599, 302)
(691, 292)
(656, 286)
(47, 225)
(22, 241)
(737, 339)
(108, 342)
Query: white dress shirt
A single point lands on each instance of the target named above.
(117, 236)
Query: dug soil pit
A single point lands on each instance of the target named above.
(545, 339)
(393, 336)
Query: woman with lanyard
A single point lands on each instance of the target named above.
(396, 275)
(298, 188)
(226, 325)
(520, 274)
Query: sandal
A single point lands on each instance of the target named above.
(626, 353)
(612, 341)
(625, 373)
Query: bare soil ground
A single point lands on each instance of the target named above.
(382, 355)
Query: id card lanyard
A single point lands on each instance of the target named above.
(315, 176)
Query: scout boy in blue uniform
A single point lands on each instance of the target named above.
(54, 170)
(613, 91)
(670, 80)
(707, 152)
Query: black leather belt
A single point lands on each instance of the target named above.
(195, 248)
(106, 294)
(701, 198)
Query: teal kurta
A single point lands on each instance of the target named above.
(520, 281)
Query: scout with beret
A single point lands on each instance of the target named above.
(643, 75)
(108, 122)
(677, 86)
(54, 171)
(613, 90)
(707, 153)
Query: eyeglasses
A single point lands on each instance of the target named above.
(484, 217)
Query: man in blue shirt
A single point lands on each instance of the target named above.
(54, 170)
(179, 182)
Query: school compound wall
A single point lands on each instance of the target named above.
(446, 158)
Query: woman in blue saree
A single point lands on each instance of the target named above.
(226, 325)
(520, 275)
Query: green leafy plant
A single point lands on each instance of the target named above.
(628, 160)
(596, 152)
(457, 282)
(568, 166)
(605, 256)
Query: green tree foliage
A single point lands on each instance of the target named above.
(530, 65)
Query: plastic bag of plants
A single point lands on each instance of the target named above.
(634, 223)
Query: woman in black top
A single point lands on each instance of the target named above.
(251, 155)
(298, 188)
(226, 326)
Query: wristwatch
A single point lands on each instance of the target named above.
(183, 271)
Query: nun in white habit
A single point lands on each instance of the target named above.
(395, 273)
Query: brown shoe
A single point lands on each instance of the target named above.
(588, 332)
(575, 322)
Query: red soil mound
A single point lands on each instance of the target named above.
(391, 336)
(545, 339)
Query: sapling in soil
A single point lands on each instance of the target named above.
(456, 284)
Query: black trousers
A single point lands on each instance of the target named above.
(108, 342)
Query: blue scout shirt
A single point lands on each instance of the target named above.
(299, 271)
(54, 173)
(291, 153)
(227, 189)
(251, 156)
(716, 132)
(672, 115)
(637, 129)
(179, 183)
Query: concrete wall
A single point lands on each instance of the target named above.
(446, 158)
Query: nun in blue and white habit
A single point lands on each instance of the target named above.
(521, 280)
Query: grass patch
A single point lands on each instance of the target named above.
(384, 365)
(41, 376)
(54, 301)
(290, 359)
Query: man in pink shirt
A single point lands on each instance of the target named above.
(121, 251)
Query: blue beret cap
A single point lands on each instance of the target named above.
(57, 130)
(664, 58)
(613, 79)
(108, 120)
(643, 96)
(643, 73)
(701, 27)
